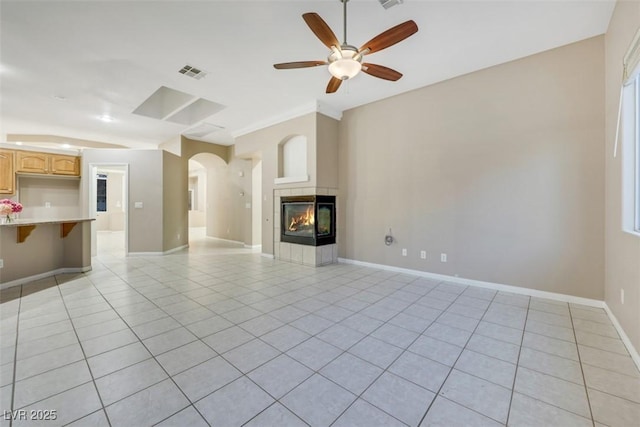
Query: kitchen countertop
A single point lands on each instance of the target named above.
(33, 221)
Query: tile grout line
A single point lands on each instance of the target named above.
(586, 390)
(335, 358)
(86, 361)
(456, 361)
(277, 400)
(179, 290)
(152, 357)
(515, 376)
(15, 358)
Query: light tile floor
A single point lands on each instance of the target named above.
(217, 335)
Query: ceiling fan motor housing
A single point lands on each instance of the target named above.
(344, 62)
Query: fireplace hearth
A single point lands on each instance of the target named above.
(308, 220)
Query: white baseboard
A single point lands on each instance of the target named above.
(170, 251)
(270, 256)
(623, 336)
(40, 276)
(479, 283)
(237, 242)
(513, 289)
(253, 247)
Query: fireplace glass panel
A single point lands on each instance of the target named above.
(299, 219)
(325, 215)
(308, 220)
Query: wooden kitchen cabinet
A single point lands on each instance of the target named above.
(64, 165)
(7, 173)
(34, 162)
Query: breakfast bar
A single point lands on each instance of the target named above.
(37, 248)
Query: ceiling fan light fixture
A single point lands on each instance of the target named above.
(345, 63)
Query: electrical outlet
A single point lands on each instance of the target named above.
(404, 252)
(423, 254)
(47, 204)
(443, 257)
(178, 236)
(1, 263)
(622, 296)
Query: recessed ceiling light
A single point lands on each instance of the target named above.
(106, 118)
(66, 146)
(18, 142)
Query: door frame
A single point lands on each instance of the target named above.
(93, 209)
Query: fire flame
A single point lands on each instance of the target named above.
(304, 219)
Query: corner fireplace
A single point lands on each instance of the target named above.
(308, 220)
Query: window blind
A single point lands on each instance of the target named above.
(632, 57)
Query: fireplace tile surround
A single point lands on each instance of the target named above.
(302, 254)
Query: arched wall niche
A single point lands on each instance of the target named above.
(292, 158)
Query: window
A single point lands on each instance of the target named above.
(630, 138)
(101, 193)
(636, 144)
(631, 156)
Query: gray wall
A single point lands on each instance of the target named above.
(501, 169)
(145, 185)
(622, 249)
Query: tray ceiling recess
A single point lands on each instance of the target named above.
(177, 107)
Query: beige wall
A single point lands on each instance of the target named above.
(622, 250)
(43, 251)
(63, 194)
(501, 169)
(174, 202)
(264, 144)
(256, 202)
(327, 151)
(198, 184)
(227, 214)
(227, 194)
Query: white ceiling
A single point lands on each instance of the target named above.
(107, 57)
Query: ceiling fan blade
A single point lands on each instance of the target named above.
(381, 72)
(321, 29)
(390, 37)
(299, 64)
(333, 85)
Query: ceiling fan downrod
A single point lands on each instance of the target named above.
(344, 14)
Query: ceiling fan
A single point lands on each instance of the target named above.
(345, 60)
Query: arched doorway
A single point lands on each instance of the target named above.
(205, 194)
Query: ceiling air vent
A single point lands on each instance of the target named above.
(193, 72)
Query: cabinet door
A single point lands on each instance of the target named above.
(7, 174)
(32, 162)
(65, 165)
